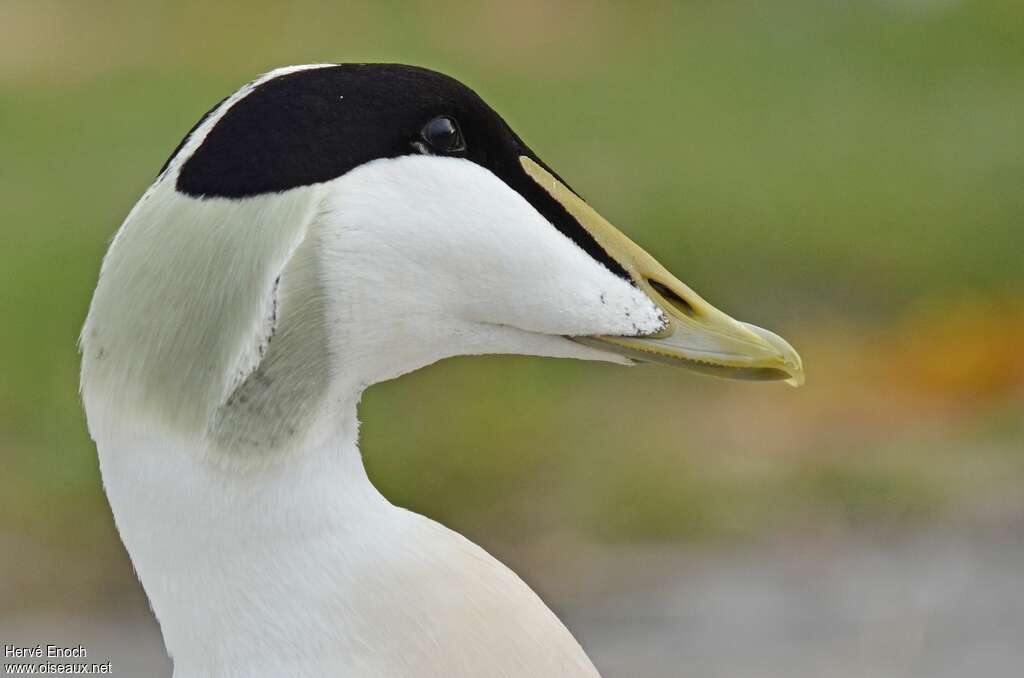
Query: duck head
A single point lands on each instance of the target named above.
(365, 220)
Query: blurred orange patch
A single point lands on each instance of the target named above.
(963, 350)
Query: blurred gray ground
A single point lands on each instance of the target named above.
(936, 605)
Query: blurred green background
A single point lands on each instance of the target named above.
(848, 174)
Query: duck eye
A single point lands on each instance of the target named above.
(443, 135)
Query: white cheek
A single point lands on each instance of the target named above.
(436, 239)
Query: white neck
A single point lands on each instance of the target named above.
(223, 358)
(303, 569)
(233, 562)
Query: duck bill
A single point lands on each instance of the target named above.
(696, 335)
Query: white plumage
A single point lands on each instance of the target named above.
(225, 352)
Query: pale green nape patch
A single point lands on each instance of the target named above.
(278, 400)
(208, 319)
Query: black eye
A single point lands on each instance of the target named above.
(443, 135)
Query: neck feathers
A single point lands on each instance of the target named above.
(208, 320)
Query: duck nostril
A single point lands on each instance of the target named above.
(680, 304)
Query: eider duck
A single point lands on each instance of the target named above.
(325, 228)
